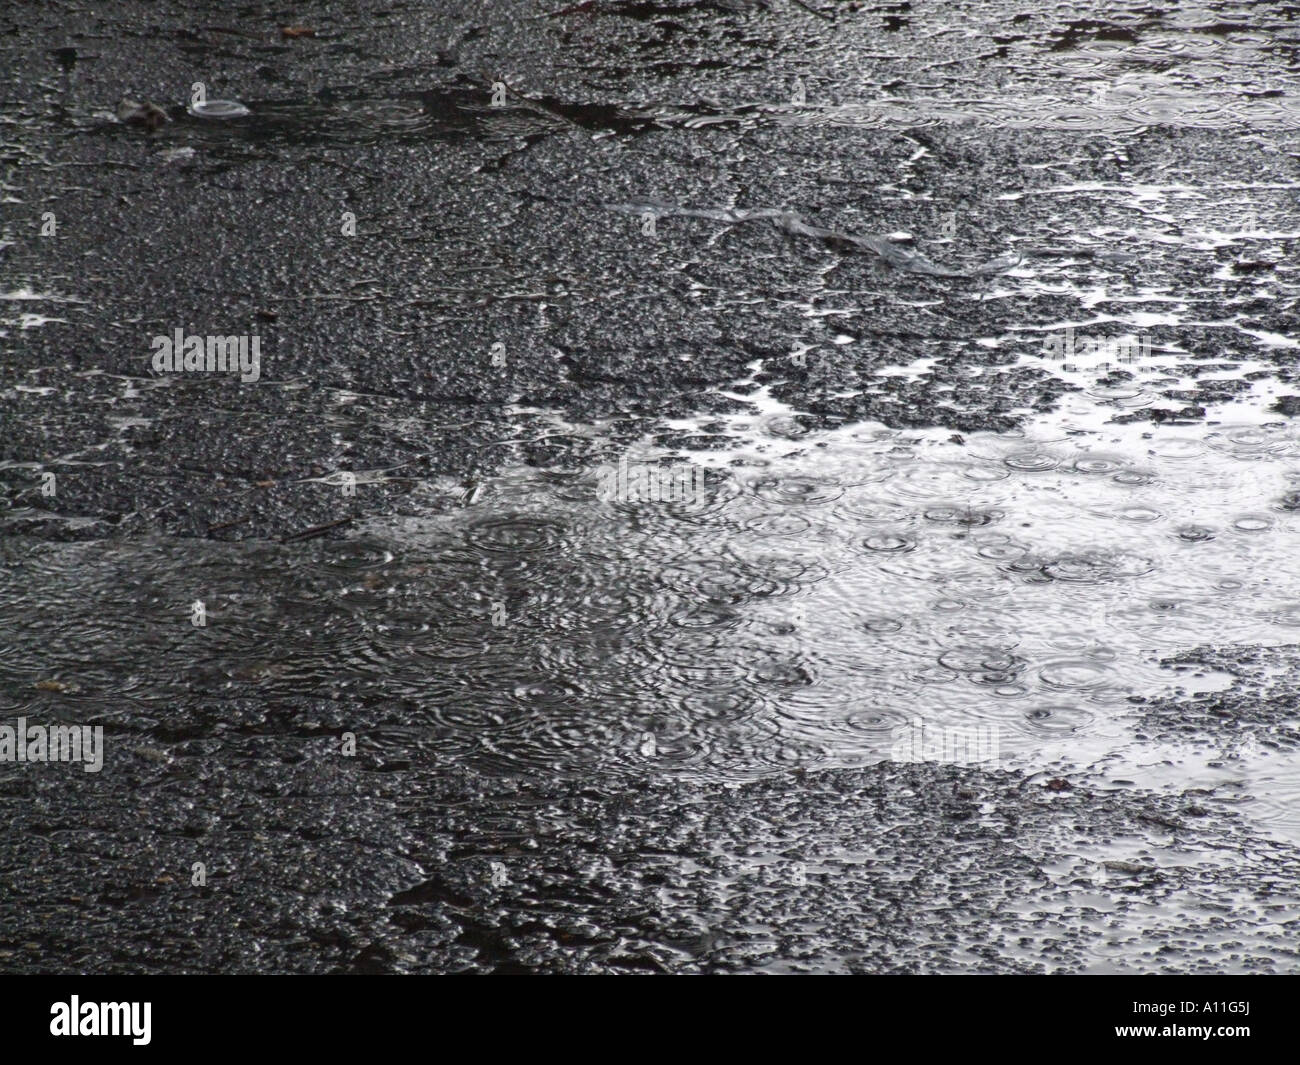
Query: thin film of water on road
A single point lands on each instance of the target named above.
(836, 598)
(954, 220)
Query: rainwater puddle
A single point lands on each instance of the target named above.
(834, 600)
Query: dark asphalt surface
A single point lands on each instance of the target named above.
(522, 225)
(478, 226)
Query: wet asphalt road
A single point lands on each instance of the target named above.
(479, 226)
(502, 287)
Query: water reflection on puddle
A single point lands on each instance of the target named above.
(832, 600)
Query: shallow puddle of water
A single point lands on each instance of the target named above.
(829, 599)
